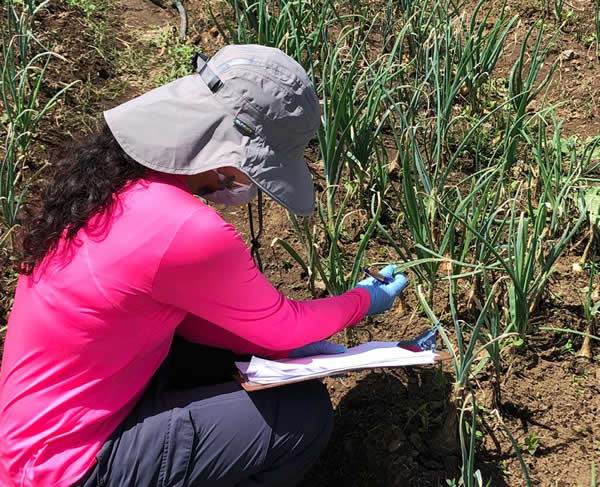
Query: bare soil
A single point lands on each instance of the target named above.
(386, 420)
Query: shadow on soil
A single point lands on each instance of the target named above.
(385, 425)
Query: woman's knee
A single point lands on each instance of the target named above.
(309, 408)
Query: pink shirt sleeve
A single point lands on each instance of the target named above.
(198, 330)
(208, 271)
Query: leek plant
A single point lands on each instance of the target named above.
(23, 72)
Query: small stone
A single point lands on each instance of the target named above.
(580, 368)
(568, 54)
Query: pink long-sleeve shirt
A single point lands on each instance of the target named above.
(96, 319)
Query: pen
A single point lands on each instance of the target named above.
(380, 277)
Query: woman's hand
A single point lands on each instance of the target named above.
(317, 348)
(383, 295)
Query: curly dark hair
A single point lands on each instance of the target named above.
(94, 170)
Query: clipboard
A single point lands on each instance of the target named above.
(253, 386)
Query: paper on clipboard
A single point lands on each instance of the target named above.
(368, 355)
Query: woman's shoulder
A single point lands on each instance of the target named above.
(156, 204)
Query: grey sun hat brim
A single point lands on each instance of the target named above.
(185, 128)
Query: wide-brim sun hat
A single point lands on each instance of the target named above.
(251, 107)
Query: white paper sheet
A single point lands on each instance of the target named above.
(367, 355)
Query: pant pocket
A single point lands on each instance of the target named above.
(177, 451)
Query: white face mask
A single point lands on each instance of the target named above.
(238, 194)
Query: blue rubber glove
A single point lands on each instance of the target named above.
(317, 348)
(383, 295)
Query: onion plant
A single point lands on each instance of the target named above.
(423, 18)
(524, 88)
(446, 68)
(469, 477)
(429, 205)
(421, 148)
(590, 312)
(298, 28)
(482, 207)
(558, 171)
(365, 152)
(419, 209)
(352, 91)
(471, 345)
(597, 26)
(24, 65)
(527, 256)
(338, 70)
(23, 72)
(331, 264)
(483, 47)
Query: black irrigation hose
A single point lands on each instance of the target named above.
(183, 29)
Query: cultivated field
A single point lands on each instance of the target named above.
(459, 139)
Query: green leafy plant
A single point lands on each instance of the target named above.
(532, 443)
(179, 55)
(87, 6)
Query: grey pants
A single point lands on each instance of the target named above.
(190, 435)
